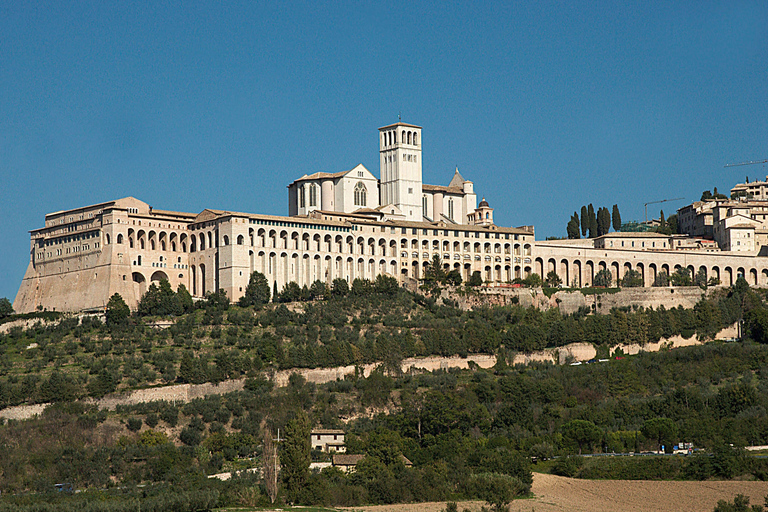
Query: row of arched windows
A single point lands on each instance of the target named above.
(406, 137)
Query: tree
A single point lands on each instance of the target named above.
(160, 300)
(632, 279)
(592, 221)
(584, 221)
(582, 432)
(453, 277)
(296, 456)
(117, 311)
(339, 287)
(6, 308)
(603, 221)
(603, 278)
(681, 277)
(185, 299)
(661, 430)
(553, 279)
(433, 272)
(361, 287)
(616, 218)
(662, 279)
(476, 279)
(257, 291)
(497, 490)
(532, 281)
(269, 464)
(318, 290)
(740, 504)
(662, 220)
(700, 279)
(275, 296)
(572, 228)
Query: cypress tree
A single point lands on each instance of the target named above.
(592, 221)
(584, 221)
(617, 218)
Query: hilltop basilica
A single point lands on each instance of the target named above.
(347, 225)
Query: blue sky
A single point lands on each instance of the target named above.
(544, 105)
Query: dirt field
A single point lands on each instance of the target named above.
(557, 494)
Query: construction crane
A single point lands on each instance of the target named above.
(751, 162)
(656, 202)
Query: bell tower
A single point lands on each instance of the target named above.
(400, 159)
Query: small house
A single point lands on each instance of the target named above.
(328, 440)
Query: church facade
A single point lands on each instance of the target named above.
(340, 225)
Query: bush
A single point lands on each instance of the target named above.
(568, 466)
(134, 424)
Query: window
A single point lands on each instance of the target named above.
(450, 208)
(302, 199)
(424, 205)
(361, 194)
(410, 190)
(312, 194)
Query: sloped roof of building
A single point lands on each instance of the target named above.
(327, 431)
(457, 181)
(343, 459)
(331, 175)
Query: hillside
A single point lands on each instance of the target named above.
(464, 430)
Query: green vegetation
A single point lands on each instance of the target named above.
(593, 224)
(468, 433)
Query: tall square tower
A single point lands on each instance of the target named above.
(400, 151)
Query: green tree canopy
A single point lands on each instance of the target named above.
(117, 311)
(257, 291)
(6, 308)
(553, 279)
(632, 279)
(681, 277)
(603, 278)
(296, 456)
(583, 433)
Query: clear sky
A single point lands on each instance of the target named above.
(545, 106)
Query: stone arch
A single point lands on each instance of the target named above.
(202, 280)
(139, 284)
(250, 236)
(551, 267)
(715, 272)
(226, 240)
(764, 275)
(131, 234)
(565, 272)
(741, 273)
(107, 239)
(183, 240)
(576, 274)
(539, 266)
(240, 240)
(119, 238)
(193, 277)
(589, 276)
(158, 276)
(210, 240)
(753, 276)
(728, 276)
(615, 272)
(652, 272)
(202, 241)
